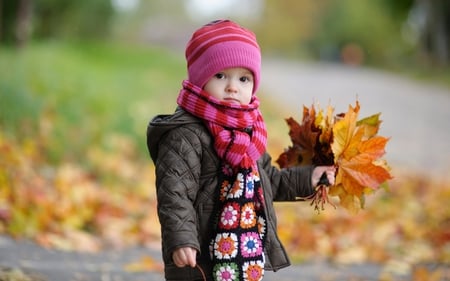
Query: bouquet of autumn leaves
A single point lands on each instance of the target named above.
(352, 145)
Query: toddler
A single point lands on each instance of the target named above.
(215, 182)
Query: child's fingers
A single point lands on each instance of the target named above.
(178, 258)
(185, 256)
(331, 177)
(331, 174)
(191, 257)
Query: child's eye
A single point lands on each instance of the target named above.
(219, 75)
(245, 79)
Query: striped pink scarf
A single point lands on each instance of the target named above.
(239, 132)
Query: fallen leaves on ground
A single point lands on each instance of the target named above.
(145, 263)
(71, 207)
(17, 274)
(402, 228)
(110, 203)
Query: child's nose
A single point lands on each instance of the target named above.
(231, 86)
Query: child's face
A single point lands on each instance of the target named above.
(234, 85)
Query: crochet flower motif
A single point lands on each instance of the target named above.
(225, 246)
(253, 270)
(226, 272)
(248, 216)
(229, 216)
(238, 187)
(250, 187)
(251, 245)
(224, 188)
(256, 176)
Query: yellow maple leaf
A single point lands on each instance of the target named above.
(348, 201)
(343, 131)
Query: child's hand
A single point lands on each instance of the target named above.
(330, 172)
(185, 256)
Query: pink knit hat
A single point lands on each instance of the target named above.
(218, 45)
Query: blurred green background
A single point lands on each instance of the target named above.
(80, 79)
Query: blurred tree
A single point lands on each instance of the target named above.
(399, 9)
(365, 28)
(287, 24)
(433, 26)
(23, 25)
(72, 18)
(156, 22)
(54, 18)
(15, 21)
(352, 31)
(431, 20)
(376, 32)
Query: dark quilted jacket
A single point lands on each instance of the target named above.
(186, 181)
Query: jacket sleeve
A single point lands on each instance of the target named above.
(178, 166)
(290, 183)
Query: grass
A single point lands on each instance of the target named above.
(83, 91)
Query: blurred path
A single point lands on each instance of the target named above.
(52, 265)
(415, 115)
